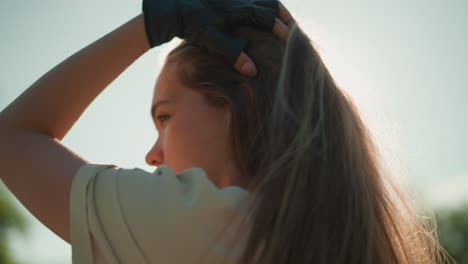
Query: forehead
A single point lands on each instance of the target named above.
(167, 86)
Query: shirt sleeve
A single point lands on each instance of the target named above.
(123, 215)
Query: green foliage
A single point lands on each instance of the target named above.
(452, 226)
(10, 220)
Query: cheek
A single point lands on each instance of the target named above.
(180, 144)
(194, 141)
(205, 127)
(209, 137)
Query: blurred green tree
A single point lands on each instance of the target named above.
(10, 220)
(452, 229)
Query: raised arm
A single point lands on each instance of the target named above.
(56, 100)
(35, 166)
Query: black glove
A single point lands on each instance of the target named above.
(207, 23)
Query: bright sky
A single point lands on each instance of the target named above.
(403, 63)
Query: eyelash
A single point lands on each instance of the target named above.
(162, 121)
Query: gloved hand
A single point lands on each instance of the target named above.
(207, 23)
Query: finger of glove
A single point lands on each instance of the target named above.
(229, 46)
(263, 18)
(265, 11)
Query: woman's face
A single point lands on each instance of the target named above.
(190, 132)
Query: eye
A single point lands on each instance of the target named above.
(163, 117)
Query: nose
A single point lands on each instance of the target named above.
(155, 156)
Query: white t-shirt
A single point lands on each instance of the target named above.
(120, 215)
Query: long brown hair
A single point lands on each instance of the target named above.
(321, 194)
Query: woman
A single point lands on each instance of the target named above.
(276, 147)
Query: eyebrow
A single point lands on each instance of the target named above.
(156, 105)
